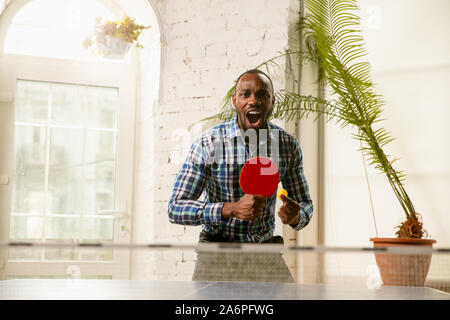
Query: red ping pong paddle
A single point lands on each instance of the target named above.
(259, 176)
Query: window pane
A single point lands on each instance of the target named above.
(97, 254)
(70, 170)
(25, 253)
(31, 101)
(97, 229)
(66, 171)
(29, 170)
(69, 228)
(77, 254)
(62, 228)
(26, 228)
(102, 107)
(67, 104)
(61, 254)
(103, 277)
(100, 171)
(99, 187)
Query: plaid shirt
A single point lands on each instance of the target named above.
(210, 173)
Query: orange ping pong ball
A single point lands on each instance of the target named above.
(281, 192)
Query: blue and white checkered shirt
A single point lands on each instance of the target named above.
(212, 168)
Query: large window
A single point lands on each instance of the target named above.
(65, 155)
(70, 152)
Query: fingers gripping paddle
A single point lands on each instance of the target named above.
(259, 176)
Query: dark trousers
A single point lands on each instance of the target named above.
(206, 237)
(240, 266)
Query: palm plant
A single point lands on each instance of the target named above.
(331, 32)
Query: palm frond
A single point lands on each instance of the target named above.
(292, 106)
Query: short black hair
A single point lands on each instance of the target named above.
(254, 71)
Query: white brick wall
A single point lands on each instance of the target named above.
(205, 46)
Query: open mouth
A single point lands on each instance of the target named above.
(255, 118)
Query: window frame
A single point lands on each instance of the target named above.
(108, 74)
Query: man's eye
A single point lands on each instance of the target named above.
(244, 94)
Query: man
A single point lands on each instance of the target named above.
(213, 166)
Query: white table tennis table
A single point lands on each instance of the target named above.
(88, 289)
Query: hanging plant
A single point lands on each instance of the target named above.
(114, 38)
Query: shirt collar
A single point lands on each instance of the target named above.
(234, 129)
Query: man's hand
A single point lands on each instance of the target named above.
(289, 212)
(249, 208)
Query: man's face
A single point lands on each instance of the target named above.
(253, 100)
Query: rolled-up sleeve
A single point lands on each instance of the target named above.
(184, 206)
(294, 182)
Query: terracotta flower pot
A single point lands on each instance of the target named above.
(403, 269)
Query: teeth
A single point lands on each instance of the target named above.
(255, 112)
